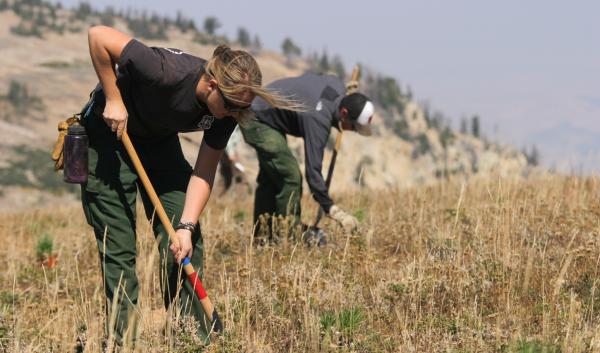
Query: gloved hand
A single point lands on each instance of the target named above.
(349, 222)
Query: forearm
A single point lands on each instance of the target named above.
(318, 189)
(324, 200)
(314, 145)
(201, 183)
(196, 198)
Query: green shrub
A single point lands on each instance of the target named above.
(148, 29)
(422, 146)
(18, 96)
(349, 322)
(327, 320)
(25, 30)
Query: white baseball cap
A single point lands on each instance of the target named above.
(360, 112)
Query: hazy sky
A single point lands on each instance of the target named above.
(529, 68)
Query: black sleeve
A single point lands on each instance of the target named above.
(141, 63)
(220, 131)
(315, 140)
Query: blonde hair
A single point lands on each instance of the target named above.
(237, 72)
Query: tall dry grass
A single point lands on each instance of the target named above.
(488, 266)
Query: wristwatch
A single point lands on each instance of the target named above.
(186, 225)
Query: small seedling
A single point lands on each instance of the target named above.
(44, 246)
(44, 250)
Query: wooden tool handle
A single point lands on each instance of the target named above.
(352, 85)
(207, 305)
(355, 73)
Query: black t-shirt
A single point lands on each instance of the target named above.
(158, 86)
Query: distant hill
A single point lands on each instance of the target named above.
(46, 76)
(574, 149)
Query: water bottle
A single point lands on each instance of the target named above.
(75, 152)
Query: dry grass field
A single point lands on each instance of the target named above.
(492, 265)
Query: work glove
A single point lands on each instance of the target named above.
(347, 221)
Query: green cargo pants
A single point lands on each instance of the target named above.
(279, 182)
(109, 199)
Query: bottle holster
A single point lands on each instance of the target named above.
(57, 152)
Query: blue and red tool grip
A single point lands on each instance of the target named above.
(195, 281)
